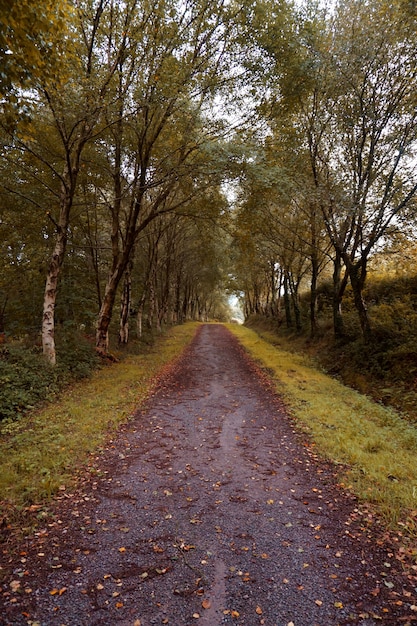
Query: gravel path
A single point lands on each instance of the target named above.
(207, 508)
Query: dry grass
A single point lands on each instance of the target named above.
(374, 442)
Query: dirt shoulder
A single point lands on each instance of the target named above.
(207, 508)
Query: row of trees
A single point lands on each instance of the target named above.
(335, 176)
(123, 121)
(112, 153)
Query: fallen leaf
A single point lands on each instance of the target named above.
(119, 605)
(235, 614)
(270, 501)
(15, 585)
(99, 586)
(206, 604)
(258, 610)
(122, 549)
(136, 622)
(338, 605)
(196, 615)
(157, 549)
(318, 602)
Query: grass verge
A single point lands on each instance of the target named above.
(374, 445)
(43, 451)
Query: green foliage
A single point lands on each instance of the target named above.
(27, 380)
(77, 357)
(44, 450)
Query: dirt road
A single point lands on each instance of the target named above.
(207, 509)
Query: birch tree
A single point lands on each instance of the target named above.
(61, 113)
(176, 62)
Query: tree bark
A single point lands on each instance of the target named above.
(287, 303)
(357, 276)
(339, 286)
(105, 314)
(125, 306)
(55, 264)
(48, 319)
(313, 294)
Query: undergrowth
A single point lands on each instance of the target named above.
(376, 445)
(42, 451)
(27, 380)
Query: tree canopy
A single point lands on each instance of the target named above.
(158, 156)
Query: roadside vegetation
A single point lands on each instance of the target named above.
(374, 445)
(384, 366)
(43, 451)
(46, 450)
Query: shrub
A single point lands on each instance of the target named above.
(27, 380)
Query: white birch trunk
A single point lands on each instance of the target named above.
(48, 319)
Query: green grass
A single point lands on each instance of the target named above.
(375, 447)
(43, 451)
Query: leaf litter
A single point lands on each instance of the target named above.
(176, 521)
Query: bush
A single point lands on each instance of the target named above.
(27, 380)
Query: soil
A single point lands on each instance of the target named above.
(209, 507)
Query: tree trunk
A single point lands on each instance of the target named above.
(2, 320)
(339, 286)
(51, 283)
(105, 314)
(296, 307)
(125, 306)
(287, 303)
(357, 276)
(313, 294)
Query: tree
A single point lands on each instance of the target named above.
(376, 124)
(54, 136)
(348, 90)
(160, 130)
(31, 36)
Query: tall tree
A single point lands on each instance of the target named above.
(65, 109)
(175, 64)
(373, 60)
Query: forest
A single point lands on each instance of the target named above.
(161, 157)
